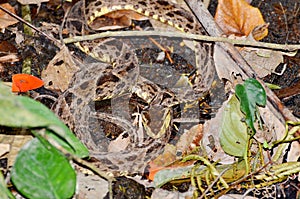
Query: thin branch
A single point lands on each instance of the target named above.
(284, 47)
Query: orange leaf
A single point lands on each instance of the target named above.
(25, 82)
(238, 17)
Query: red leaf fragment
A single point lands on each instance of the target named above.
(25, 82)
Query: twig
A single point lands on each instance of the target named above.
(157, 33)
(284, 47)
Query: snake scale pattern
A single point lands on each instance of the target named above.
(118, 74)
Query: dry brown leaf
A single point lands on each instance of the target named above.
(263, 61)
(117, 19)
(27, 2)
(15, 143)
(186, 144)
(239, 18)
(190, 139)
(9, 58)
(5, 19)
(59, 71)
(4, 148)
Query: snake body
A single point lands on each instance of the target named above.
(98, 81)
(171, 14)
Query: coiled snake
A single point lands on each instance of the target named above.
(119, 74)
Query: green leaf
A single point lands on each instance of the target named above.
(41, 171)
(5, 90)
(273, 86)
(233, 136)
(20, 111)
(250, 94)
(166, 175)
(4, 192)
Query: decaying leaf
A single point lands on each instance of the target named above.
(59, 71)
(186, 144)
(117, 19)
(211, 138)
(233, 135)
(238, 17)
(263, 61)
(27, 2)
(5, 19)
(190, 139)
(15, 143)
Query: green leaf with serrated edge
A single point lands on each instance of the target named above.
(20, 111)
(233, 135)
(250, 94)
(41, 171)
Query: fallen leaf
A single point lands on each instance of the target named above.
(9, 58)
(169, 158)
(116, 19)
(263, 61)
(162, 161)
(60, 71)
(233, 135)
(190, 139)
(211, 138)
(239, 18)
(25, 82)
(15, 143)
(5, 19)
(7, 47)
(27, 2)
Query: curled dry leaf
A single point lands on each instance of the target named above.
(59, 71)
(239, 18)
(5, 19)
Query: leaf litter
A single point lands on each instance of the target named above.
(65, 59)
